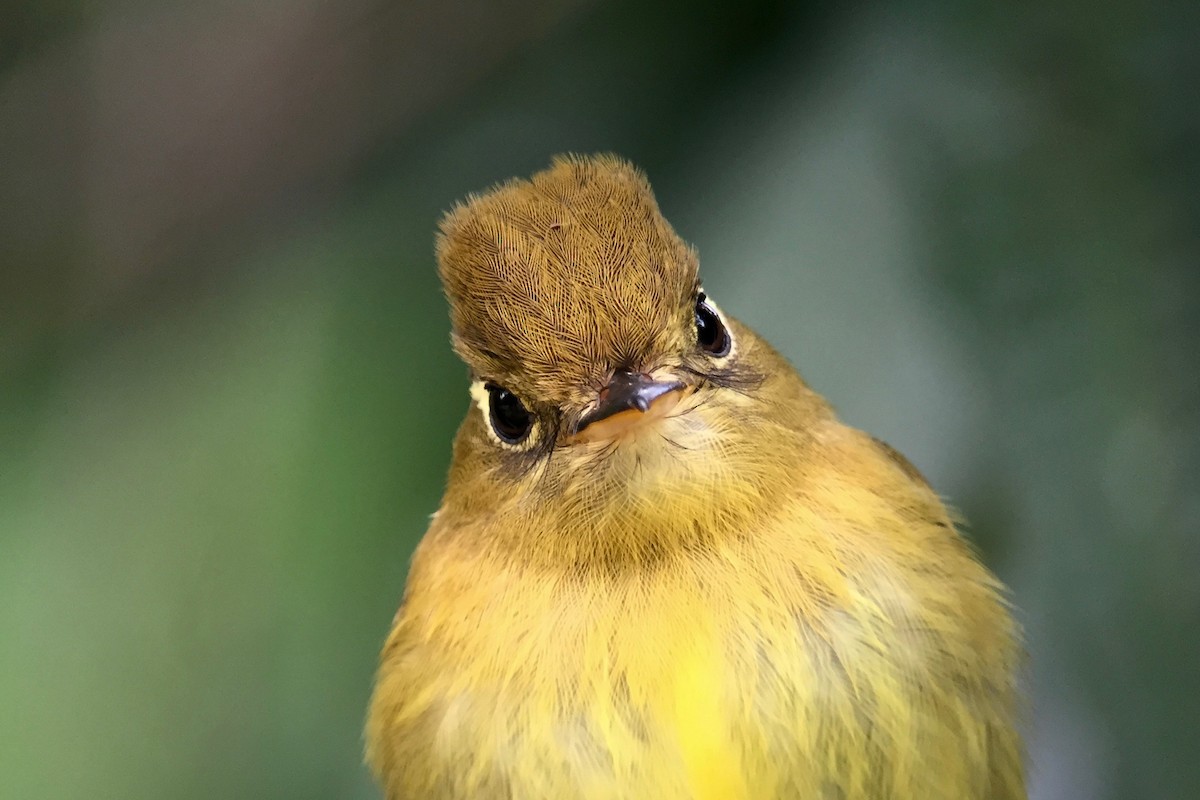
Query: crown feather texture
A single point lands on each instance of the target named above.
(555, 280)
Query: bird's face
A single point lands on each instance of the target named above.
(602, 371)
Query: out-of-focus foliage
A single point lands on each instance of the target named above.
(227, 397)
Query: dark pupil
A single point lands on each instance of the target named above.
(710, 333)
(510, 419)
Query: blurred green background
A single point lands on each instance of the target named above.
(227, 395)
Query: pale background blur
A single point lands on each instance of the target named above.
(227, 396)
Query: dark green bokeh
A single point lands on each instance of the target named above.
(227, 395)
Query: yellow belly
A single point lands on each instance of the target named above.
(813, 668)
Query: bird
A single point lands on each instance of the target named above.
(662, 567)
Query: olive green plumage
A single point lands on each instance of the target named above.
(722, 593)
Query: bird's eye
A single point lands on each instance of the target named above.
(510, 419)
(710, 331)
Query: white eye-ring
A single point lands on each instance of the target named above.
(509, 422)
(712, 335)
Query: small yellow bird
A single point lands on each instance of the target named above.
(662, 568)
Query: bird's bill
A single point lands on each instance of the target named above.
(630, 400)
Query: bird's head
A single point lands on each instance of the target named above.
(602, 372)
